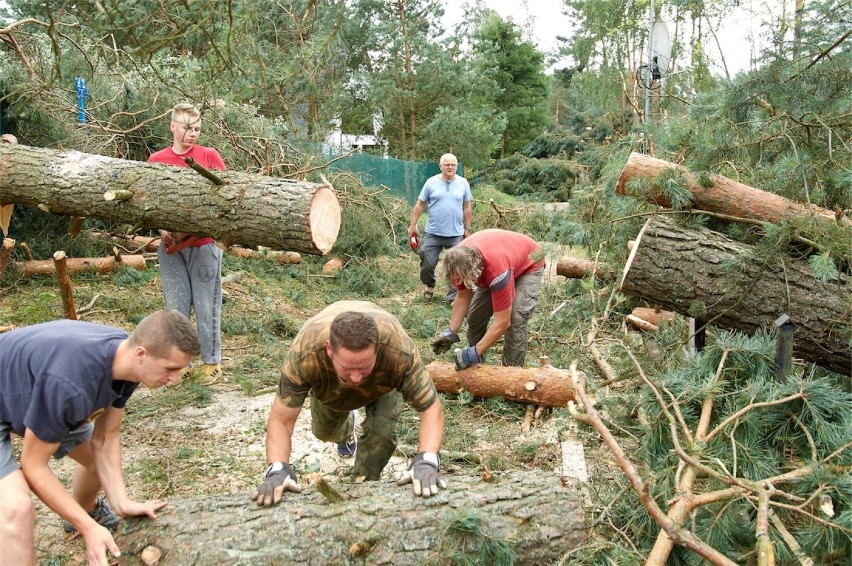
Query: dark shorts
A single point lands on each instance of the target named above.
(8, 464)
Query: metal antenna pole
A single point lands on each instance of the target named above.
(649, 75)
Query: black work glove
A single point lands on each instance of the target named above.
(445, 341)
(275, 483)
(423, 475)
(466, 357)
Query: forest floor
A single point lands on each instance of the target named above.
(189, 440)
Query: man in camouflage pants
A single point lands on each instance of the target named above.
(353, 354)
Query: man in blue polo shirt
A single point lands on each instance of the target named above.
(447, 199)
(63, 388)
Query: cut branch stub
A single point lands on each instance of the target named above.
(249, 209)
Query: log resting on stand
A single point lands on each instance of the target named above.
(376, 523)
(249, 209)
(680, 268)
(545, 386)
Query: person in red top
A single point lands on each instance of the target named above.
(496, 272)
(191, 265)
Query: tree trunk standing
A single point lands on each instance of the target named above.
(683, 268)
(250, 209)
(545, 386)
(377, 523)
(724, 196)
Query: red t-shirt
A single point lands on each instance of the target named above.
(207, 157)
(505, 257)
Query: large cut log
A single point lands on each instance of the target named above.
(689, 271)
(723, 196)
(545, 385)
(376, 523)
(249, 209)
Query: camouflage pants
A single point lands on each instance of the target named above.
(377, 443)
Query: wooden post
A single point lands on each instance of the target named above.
(784, 347)
(6, 253)
(65, 285)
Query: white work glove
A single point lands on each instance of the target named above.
(423, 475)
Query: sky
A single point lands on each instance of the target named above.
(546, 20)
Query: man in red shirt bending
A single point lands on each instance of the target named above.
(190, 265)
(496, 272)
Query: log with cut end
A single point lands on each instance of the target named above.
(545, 385)
(701, 273)
(102, 265)
(579, 268)
(376, 523)
(723, 196)
(280, 257)
(249, 209)
(648, 319)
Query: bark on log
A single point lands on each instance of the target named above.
(102, 265)
(724, 196)
(546, 385)
(579, 268)
(249, 209)
(683, 268)
(376, 523)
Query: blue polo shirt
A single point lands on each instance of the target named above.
(444, 201)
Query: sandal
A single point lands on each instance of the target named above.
(427, 295)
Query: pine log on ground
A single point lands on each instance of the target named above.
(545, 385)
(724, 196)
(579, 268)
(648, 319)
(376, 523)
(102, 265)
(249, 209)
(683, 269)
(280, 257)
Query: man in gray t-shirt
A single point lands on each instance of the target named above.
(447, 199)
(63, 388)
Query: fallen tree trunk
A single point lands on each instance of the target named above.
(723, 196)
(376, 523)
(248, 209)
(579, 268)
(546, 385)
(102, 265)
(688, 270)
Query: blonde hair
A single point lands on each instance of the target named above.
(464, 264)
(185, 108)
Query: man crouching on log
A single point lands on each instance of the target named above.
(353, 354)
(63, 387)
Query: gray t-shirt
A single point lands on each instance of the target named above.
(56, 376)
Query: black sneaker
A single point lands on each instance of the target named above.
(102, 514)
(347, 449)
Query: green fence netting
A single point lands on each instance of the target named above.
(403, 179)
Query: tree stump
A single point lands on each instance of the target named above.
(684, 270)
(376, 523)
(249, 209)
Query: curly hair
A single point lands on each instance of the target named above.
(353, 330)
(462, 264)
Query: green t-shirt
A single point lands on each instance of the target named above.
(307, 367)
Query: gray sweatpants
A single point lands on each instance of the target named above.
(516, 336)
(192, 278)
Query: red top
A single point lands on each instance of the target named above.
(207, 157)
(505, 257)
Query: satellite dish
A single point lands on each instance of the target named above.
(661, 49)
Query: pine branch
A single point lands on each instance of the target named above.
(751, 407)
(674, 531)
